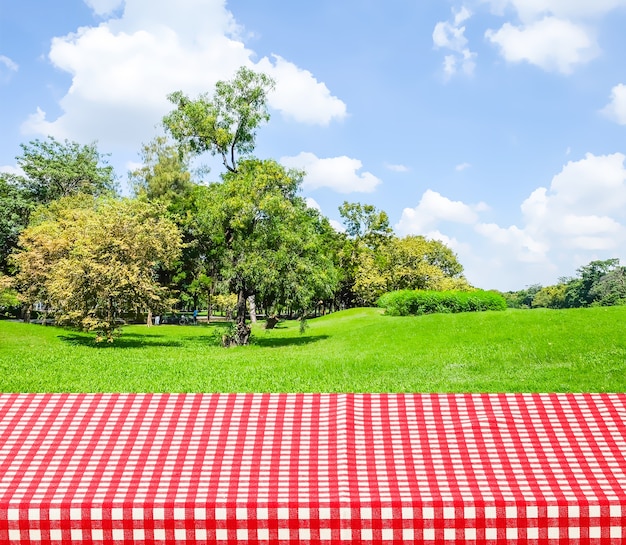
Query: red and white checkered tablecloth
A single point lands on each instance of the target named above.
(311, 468)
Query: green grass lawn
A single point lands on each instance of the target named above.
(360, 350)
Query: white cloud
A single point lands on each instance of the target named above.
(579, 216)
(396, 168)
(7, 68)
(8, 63)
(582, 209)
(616, 109)
(556, 35)
(104, 7)
(9, 169)
(595, 184)
(529, 10)
(123, 69)
(432, 209)
(462, 166)
(312, 203)
(337, 173)
(525, 248)
(337, 226)
(451, 35)
(299, 95)
(552, 44)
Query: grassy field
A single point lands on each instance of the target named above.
(360, 350)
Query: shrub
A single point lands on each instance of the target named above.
(418, 302)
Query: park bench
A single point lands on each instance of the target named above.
(312, 468)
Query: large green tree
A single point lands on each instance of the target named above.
(267, 242)
(580, 291)
(15, 208)
(54, 169)
(610, 289)
(224, 123)
(92, 260)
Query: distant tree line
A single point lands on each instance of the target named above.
(600, 283)
(248, 243)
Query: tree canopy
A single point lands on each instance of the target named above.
(266, 240)
(246, 238)
(224, 123)
(15, 208)
(91, 261)
(53, 170)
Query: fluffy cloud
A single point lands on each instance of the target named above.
(396, 168)
(337, 173)
(123, 69)
(8, 63)
(581, 211)
(550, 43)
(578, 217)
(616, 109)
(312, 203)
(529, 10)
(554, 34)
(432, 209)
(296, 88)
(104, 7)
(451, 35)
(7, 68)
(8, 169)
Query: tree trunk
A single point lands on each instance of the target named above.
(149, 319)
(252, 303)
(208, 307)
(242, 331)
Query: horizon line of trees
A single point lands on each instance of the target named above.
(599, 283)
(70, 242)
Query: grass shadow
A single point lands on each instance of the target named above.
(272, 342)
(127, 340)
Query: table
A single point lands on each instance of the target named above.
(311, 468)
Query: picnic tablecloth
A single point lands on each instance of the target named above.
(311, 468)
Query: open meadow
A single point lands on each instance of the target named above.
(359, 350)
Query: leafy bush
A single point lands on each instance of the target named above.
(417, 302)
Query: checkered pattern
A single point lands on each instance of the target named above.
(311, 468)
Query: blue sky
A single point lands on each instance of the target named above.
(496, 126)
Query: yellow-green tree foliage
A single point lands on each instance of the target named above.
(412, 262)
(91, 261)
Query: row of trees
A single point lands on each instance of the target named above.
(71, 244)
(600, 283)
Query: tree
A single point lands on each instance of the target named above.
(611, 288)
(225, 123)
(56, 169)
(9, 299)
(15, 208)
(367, 232)
(364, 222)
(92, 261)
(522, 298)
(412, 262)
(580, 291)
(265, 239)
(551, 297)
(164, 176)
